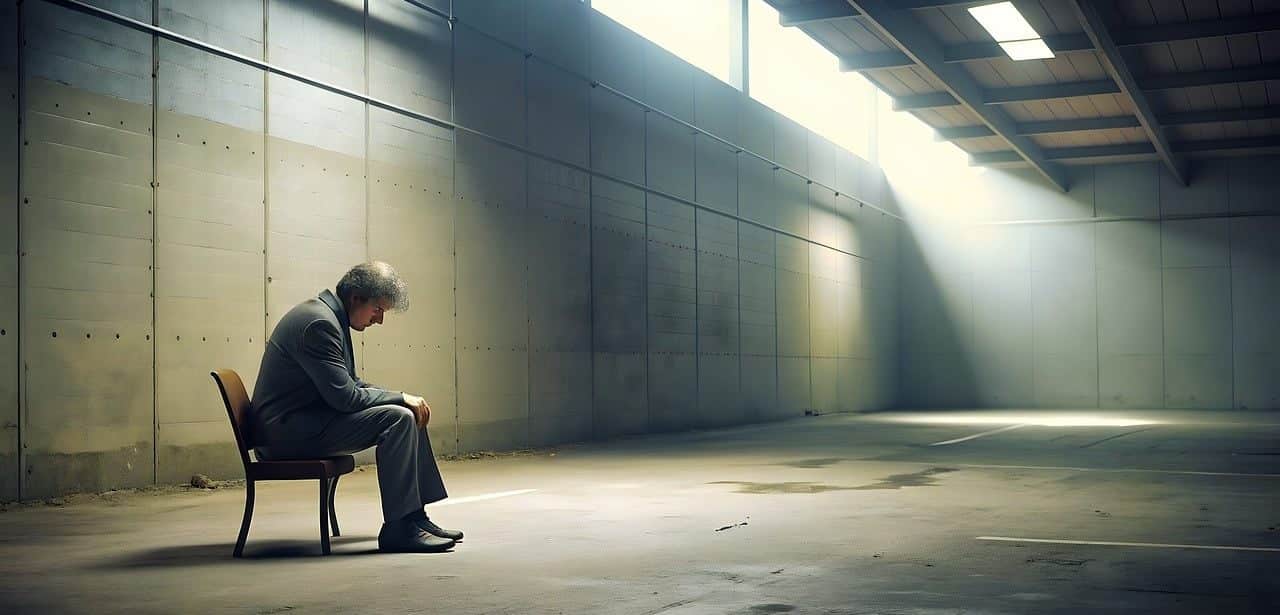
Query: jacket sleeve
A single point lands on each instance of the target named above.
(322, 358)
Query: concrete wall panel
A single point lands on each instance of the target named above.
(1127, 189)
(322, 40)
(85, 53)
(668, 82)
(792, 204)
(557, 33)
(756, 191)
(715, 175)
(560, 408)
(315, 194)
(821, 159)
(668, 156)
(491, 241)
(209, 285)
(410, 57)
(558, 113)
(617, 137)
(86, 284)
(791, 143)
(1208, 192)
(1195, 243)
(203, 85)
(1197, 334)
(489, 85)
(504, 20)
(1252, 185)
(617, 55)
(755, 128)
(715, 107)
(618, 255)
(673, 390)
(411, 226)
(621, 398)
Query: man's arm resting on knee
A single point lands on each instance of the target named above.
(324, 361)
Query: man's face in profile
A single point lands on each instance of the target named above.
(366, 313)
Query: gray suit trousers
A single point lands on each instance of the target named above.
(408, 477)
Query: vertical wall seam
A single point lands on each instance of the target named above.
(23, 392)
(697, 342)
(1164, 359)
(266, 171)
(591, 240)
(368, 121)
(155, 215)
(453, 232)
(528, 284)
(1231, 297)
(1097, 299)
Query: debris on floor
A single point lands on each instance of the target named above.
(731, 526)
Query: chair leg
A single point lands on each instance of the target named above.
(333, 514)
(248, 517)
(324, 515)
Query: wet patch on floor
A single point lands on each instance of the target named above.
(811, 463)
(771, 608)
(788, 487)
(923, 478)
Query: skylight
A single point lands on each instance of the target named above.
(1015, 35)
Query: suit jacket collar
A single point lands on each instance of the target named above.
(335, 304)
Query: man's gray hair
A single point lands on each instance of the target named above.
(374, 280)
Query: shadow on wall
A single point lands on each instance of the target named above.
(1127, 291)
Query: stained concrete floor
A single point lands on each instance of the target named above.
(831, 514)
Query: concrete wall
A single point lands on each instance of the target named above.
(168, 221)
(1141, 292)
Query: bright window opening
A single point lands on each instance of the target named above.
(695, 30)
(795, 76)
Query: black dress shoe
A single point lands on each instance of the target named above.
(427, 526)
(405, 537)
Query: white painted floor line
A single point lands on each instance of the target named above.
(1075, 469)
(1107, 543)
(479, 498)
(979, 435)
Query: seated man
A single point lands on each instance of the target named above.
(308, 402)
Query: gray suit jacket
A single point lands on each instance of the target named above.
(308, 375)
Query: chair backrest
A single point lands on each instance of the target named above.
(237, 402)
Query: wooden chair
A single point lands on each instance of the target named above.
(326, 469)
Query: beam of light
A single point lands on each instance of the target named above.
(480, 498)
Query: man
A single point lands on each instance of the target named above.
(308, 402)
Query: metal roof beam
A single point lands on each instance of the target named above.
(1167, 33)
(1132, 149)
(1043, 128)
(815, 12)
(1113, 62)
(1090, 123)
(953, 133)
(931, 100)
(1000, 96)
(1262, 72)
(1220, 115)
(911, 36)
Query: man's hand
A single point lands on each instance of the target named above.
(421, 411)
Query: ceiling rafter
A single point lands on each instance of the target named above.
(1115, 65)
(910, 36)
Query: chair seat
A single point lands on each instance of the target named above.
(299, 469)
